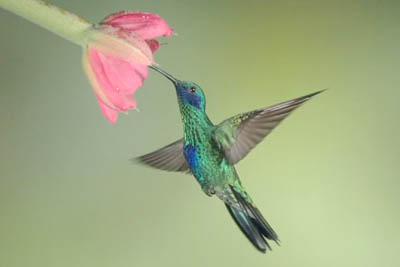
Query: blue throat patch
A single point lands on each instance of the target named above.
(191, 156)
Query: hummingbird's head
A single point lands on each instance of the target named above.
(189, 93)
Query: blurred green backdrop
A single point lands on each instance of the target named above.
(326, 179)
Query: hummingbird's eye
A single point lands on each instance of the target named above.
(192, 89)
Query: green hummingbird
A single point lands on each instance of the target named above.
(209, 152)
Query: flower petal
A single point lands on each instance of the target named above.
(121, 44)
(125, 77)
(109, 113)
(110, 86)
(145, 25)
(87, 67)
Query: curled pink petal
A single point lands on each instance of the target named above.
(109, 113)
(125, 77)
(115, 87)
(145, 25)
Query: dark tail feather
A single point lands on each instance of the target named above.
(248, 228)
(252, 223)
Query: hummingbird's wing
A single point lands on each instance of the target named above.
(168, 158)
(239, 134)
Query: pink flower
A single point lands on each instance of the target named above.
(117, 56)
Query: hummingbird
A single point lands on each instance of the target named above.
(209, 152)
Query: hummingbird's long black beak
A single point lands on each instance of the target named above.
(166, 74)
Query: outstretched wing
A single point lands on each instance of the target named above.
(168, 158)
(239, 134)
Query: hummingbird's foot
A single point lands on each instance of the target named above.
(208, 190)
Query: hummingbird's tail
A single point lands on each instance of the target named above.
(251, 222)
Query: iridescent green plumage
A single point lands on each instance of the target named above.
(210, 151)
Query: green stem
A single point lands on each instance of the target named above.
(59, 21)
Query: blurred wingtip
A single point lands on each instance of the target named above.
(317, 93)
(135, 160)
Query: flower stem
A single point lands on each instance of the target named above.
(66, 24)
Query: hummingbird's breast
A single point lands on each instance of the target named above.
(204, 156)
(207, 163)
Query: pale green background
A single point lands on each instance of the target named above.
(327, 179)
